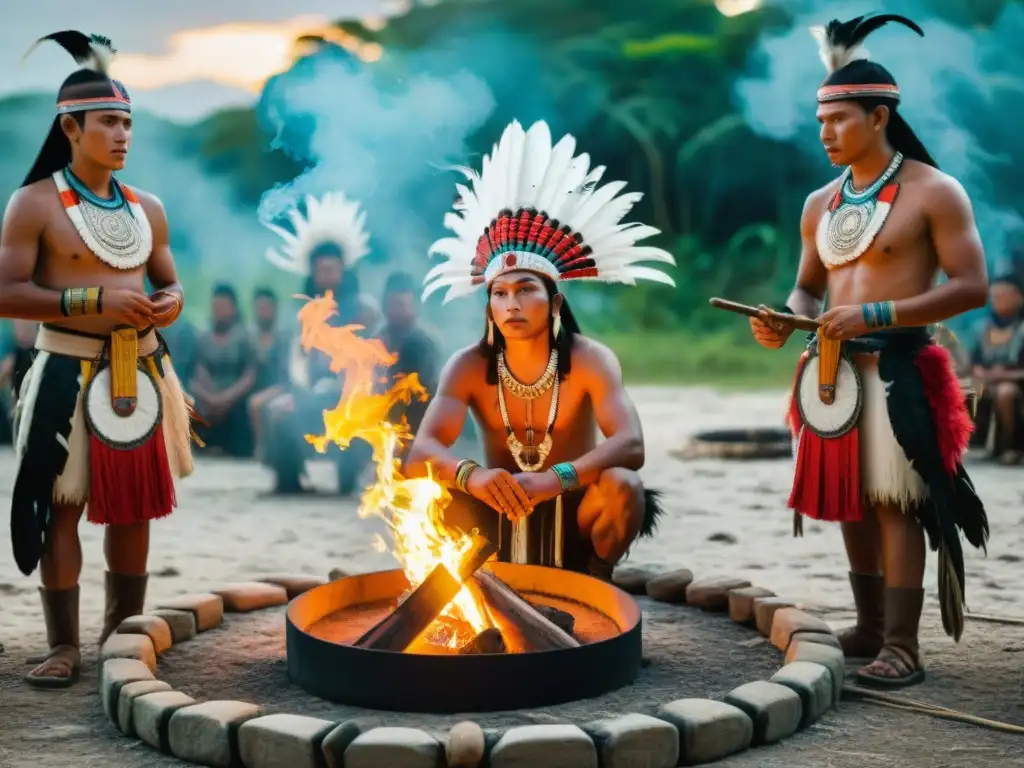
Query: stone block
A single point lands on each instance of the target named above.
(207, 733)
(741, 603)
(708, 730)
(818, 638)
(205, 606)
(544, 746)
(337, 741)
(251, 596)
(788, 621)
(801, 649)
(670, 587)
(153, 627)
(138, 647)
(774, 709)
(283, 740)
(812, 683)
(294, 583)
(181, 623)
(635, 741)
(152, 713)
(116, 674)
(632, 579)
(466, 746)
(392, 747)
(126, 699)
(713, 594)
(764, 612)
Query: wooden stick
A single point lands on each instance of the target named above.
(398, 630)
(797, 321)
(524, 629)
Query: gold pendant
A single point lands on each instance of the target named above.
(529, 458)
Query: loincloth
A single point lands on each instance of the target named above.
(62, 462)
(906, 449)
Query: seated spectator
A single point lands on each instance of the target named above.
(402, 335)
(311, 387)
(998, 371)
(224, 375)
(271, 344)
(16, 353)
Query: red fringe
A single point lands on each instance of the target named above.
(826, 482)
(953, 423)
(130, 486)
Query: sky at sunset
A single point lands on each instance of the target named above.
(181, 59)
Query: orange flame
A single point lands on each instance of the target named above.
(413, 508)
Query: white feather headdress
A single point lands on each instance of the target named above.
(538, 207)
(331, 219)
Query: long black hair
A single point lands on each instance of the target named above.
(564, 343)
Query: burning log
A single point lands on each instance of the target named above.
(564, 620)
(522, 626)
(488, 641)
(398, 630)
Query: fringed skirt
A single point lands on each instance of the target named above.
(60, 461)
(906, 448)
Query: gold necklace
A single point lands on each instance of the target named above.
(530, 456)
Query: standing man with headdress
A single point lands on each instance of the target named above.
(539, 389)
(102, 422)
(877, 408)
(325, 245)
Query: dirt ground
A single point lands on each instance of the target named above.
(723, 518)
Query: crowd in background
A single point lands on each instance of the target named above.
(255, 387)
(260, 394)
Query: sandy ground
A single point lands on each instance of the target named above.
(724, 518)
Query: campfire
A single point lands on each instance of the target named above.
(455, 604)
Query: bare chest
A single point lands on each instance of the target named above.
(65, 259)
(561, 408)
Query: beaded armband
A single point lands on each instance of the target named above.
(463, 470)
(81, 301)
(880, 314)
(567, 476)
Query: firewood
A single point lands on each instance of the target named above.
(523, 627)
(398, 630)
(488, 641)
(564, 620)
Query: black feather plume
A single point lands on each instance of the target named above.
(92, 51)
(840, 41)
(914, 429)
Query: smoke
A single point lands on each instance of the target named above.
(960, 94)
(383, 139)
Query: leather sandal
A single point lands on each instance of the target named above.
(60, 609)
(865, 639)
(126, 596)
(900, 652)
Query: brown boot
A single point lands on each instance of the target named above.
(898, 664)
(60, 667)
(126, 596)
(864, 640)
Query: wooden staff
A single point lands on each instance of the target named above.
(800, 322)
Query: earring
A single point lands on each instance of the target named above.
(558, 324)
(490, 332)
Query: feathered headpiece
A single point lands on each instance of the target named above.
(91, 88)
(538, 208)
(332, 221)
(851, 75)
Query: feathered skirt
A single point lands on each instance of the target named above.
(60, 460)
(906, 449)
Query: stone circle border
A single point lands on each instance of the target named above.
(683, 732)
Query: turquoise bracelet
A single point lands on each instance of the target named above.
(567, 476)
(880, 314)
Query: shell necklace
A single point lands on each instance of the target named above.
(854, 218)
